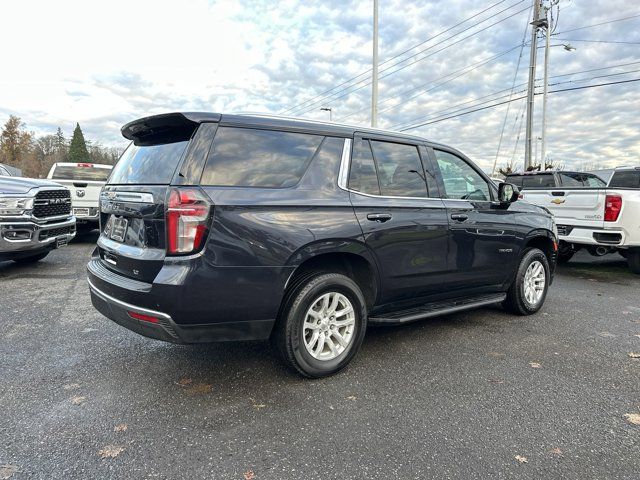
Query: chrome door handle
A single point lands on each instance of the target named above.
(379, 217)
(460, 217)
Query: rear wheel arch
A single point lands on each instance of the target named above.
(360, 267)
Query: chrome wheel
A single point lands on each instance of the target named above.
(534, 282)
(329, 326)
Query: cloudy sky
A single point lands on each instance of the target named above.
(105, 63)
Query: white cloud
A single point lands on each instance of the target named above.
(105, 63)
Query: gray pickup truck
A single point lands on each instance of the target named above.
(35, 217)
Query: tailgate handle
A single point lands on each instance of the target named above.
(557, 194)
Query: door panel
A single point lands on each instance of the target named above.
(410, 246)
(482, 239)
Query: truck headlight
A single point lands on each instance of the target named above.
(15, 205)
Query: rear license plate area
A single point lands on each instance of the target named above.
(119, 229)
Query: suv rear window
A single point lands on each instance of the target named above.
(87, 173)
(245, 157)
(148, 165)
(544, 180)
(626, 179)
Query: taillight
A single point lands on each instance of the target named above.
(612, 207)
(187, 220)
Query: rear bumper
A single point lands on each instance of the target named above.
(593, 236)
(164, 328)
(189, 307)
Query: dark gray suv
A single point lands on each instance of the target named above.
(243, 227)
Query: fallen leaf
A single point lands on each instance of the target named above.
(521, 459)
(555, 451)
(71, 386)
(607, 335)
(634, 355)
(497, 381)
(199, 389)
(249, 475)
(535, 365)
(121, 427)
(637, 336)
(496, 355)
(183, 382)
(633, 418)
(331, 407)
(110, 451)
(7, 471)
(352, 398)
(78, 400)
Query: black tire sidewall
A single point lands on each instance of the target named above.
(528, 258)
(301, 302)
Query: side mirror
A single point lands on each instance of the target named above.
(507, 192)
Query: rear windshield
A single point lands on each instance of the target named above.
(86, 173)
(626, 179)
(148, 165)
(244, 157)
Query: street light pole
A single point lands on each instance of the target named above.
(374, 83)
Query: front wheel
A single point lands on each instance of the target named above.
(322, 325)
(529, 289)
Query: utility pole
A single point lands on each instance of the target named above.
(374, 83)
(536, 24)
(545, 96)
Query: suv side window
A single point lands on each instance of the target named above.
(363, 176)
(625, 179)
(461, 181)
(245, 157)
(400, 172)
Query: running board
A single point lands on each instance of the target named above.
(436, 309)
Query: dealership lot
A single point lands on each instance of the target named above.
(475, 395)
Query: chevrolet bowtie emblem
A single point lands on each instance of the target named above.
(558, 201)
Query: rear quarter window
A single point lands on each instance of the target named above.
(244, 157)
(625, 179)
(148, 165)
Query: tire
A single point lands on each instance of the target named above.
(32, 258)
(633, 260)
(294, 333)
(565, 253)
(517, 300)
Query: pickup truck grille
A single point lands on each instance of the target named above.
(52, 203)
(564, 230)
(55, 232)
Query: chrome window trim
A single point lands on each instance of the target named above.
(343, 178)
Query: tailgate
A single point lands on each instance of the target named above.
(579, 207)
(83, 193)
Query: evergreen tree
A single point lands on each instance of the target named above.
(78, 148)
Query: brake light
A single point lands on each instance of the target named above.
(612, 207)
(187, 220)
(84, 165)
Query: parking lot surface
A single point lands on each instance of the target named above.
(481, 394)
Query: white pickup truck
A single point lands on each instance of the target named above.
(603, 218)
(84, 180)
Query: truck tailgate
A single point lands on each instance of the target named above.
(578, 207)
(83, 193)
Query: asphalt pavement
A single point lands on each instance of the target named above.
(481, 394)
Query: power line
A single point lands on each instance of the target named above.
(598, 24)
(396, 56)
(449, 109)
(327, 98)
(597, 41)
(466, 69)
(519, 98)
(513, 86)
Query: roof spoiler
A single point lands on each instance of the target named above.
(165, 128)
